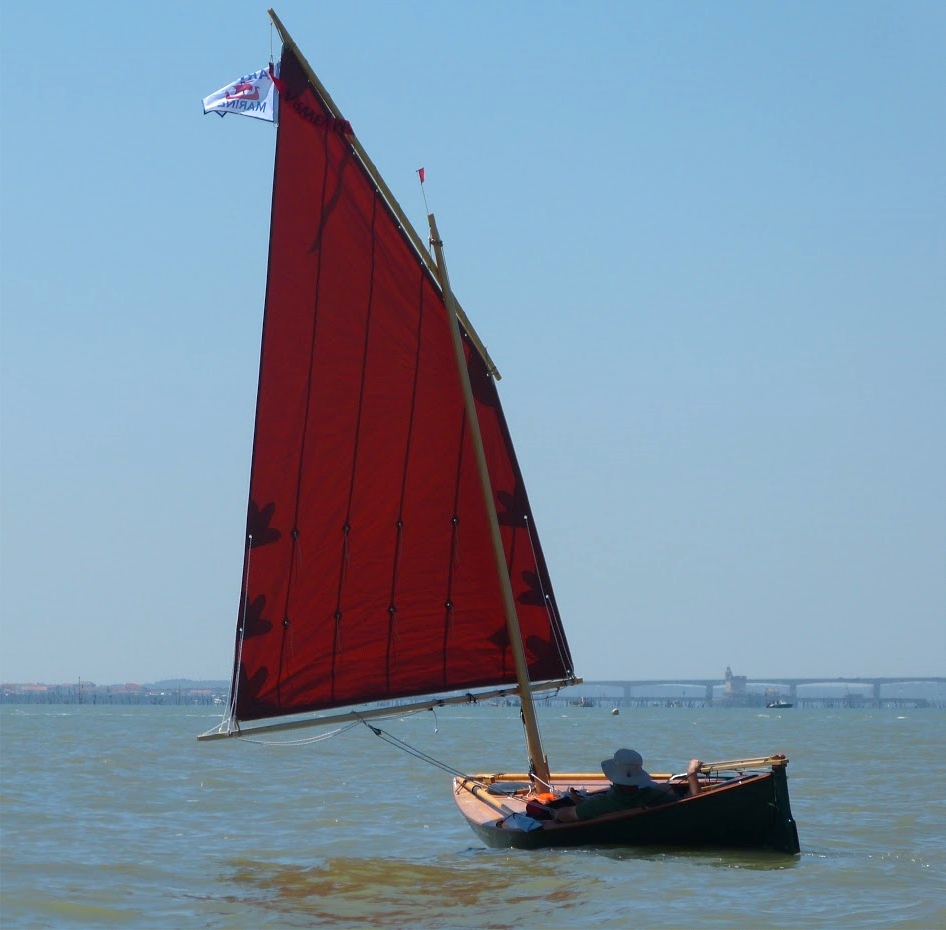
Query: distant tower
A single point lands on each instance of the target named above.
(735, 689)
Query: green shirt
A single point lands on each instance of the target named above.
(614, 799)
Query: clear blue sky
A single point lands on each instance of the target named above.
(704, 242)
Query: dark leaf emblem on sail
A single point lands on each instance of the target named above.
(257, 525)
(256, 624)
(512, 507)
(249, 705)
(533, 592)
(543, 661)
(500, 639)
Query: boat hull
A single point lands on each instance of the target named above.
(749, 812)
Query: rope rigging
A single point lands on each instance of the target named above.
(398, 743)
(384, 735)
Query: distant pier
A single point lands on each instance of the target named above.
(728, 691)
(743, 691)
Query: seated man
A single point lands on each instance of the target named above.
(630, 787)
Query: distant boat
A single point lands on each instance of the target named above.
(779, 704)
(390, 548)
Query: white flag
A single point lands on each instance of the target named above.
(251, 95)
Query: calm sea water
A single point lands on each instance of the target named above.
(118, 817)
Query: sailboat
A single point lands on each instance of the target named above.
(391, 553)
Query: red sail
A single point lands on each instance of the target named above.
(369, 569)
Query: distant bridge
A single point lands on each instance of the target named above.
(790, 685)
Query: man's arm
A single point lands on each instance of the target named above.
(693, 771)
(564, 814)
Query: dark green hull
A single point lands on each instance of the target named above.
(753, 812)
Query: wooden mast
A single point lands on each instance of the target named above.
(381, 185)
(539, 763)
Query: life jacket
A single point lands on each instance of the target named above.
(542, 805)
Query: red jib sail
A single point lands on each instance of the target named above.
(369, 571)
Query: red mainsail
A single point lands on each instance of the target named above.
(369, 571)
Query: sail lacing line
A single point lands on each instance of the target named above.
(235, 681)
(454, 557)
(304, 741)
(296, 565)
(556, 623)
(389, 738)
(304, 439)
(399, 523)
